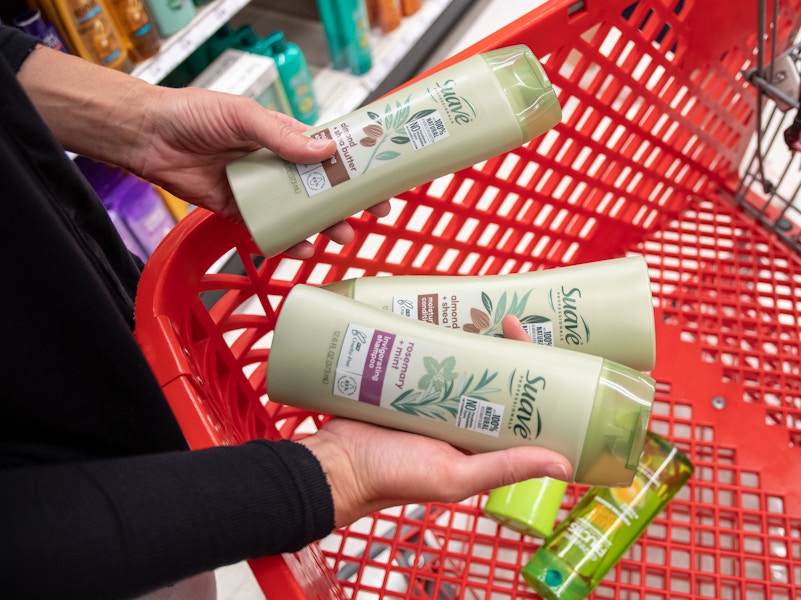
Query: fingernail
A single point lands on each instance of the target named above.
(318, 144)
(556, 471)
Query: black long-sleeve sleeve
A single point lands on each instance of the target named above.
(99, 495)
(119, 527)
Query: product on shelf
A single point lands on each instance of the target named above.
(135, 206)
(347, 31)
(390, 14)
(295, 77)
(32, 22)
(411, 6)
(134, 22)
(89, 31)
(246, 74)
(171, 15)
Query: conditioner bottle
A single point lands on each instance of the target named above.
(605, 524)
(171, 15)
(335, 355)
(603, 308)
(478, 108)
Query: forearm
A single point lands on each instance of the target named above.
(125, 526)
(92, 110)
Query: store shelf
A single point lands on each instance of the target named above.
(397, 56)
(179, 46)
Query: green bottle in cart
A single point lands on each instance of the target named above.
(605, 524)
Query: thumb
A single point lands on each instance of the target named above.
(286, 136)
(476, 473)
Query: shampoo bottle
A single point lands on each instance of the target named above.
(171, 15)
(295, 77)
(335, 355)
(605, 524)
(31, 22)
(390, 14)
(476, 109)
(411, 6)
(347, 31)
(134, 23)
(89, 31)
(603, 308)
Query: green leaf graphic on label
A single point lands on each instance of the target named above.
(421, 114)
(534, 319)
(440, 390)
(437, 374)
(489, 322)
(393, 130)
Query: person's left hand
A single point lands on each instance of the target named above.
(370, 467)
(194, 133)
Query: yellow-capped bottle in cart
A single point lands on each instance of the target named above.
(605, 524)
(336, 355)
(473, 110)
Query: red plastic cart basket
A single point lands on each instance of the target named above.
(657, 117)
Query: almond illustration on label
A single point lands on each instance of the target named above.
(481, 321)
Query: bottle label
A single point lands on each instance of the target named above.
(476, 312)
(616, 515)
(96, 32)
(403, 374)
(367, 141)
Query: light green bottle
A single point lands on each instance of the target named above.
(603, 307)
(468, 112)
(171, 15)
(605, 524)
(339, 356)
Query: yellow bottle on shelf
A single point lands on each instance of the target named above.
(137, 28)
(89, 31)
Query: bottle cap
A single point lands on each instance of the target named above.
(617, 427)
(277, 42)
(529, 507)
(527, 88)
(343, 287)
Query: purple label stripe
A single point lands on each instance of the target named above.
(375, 367)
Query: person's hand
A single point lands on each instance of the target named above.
(194, 133)
(370, 467)
(179, 139)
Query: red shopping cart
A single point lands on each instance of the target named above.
(657, 119)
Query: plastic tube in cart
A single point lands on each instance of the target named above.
(468, 112)
(335, 355)
(603, 308)
(605, 524)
